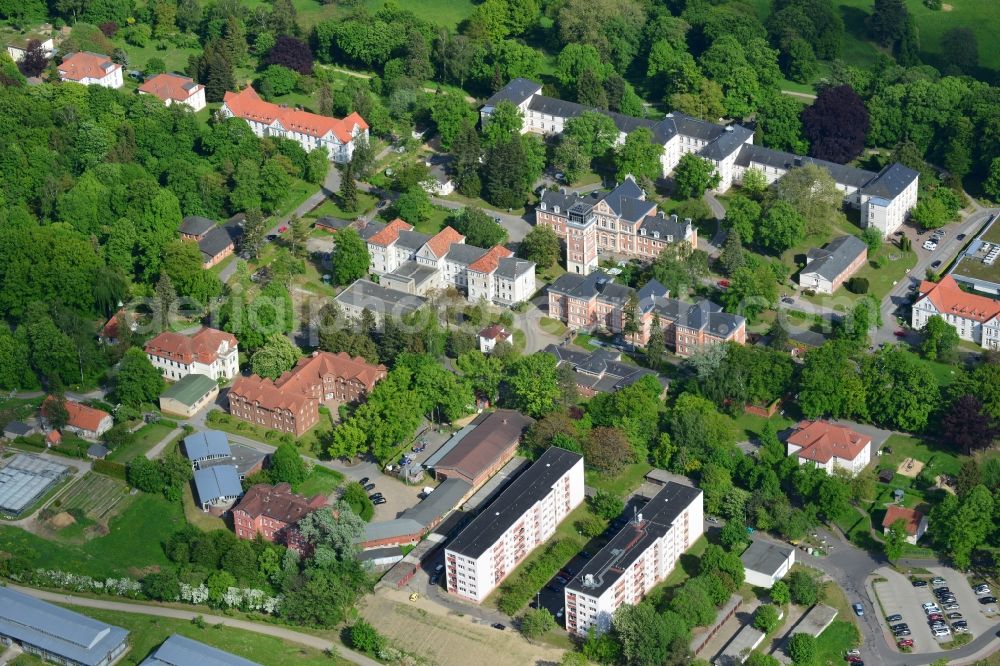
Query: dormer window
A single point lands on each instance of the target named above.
(656, 234)
(670, 239)
(555, 209)
(543, 205)
(642, 232)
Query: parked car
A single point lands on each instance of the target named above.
(987, 600)
(942, 590)
(937, 580)
(900, 333)
(894, 618)
(859, 610)
(376, 496)
(787, 300)
(960, 237)
(904, 643)
(951, 607)
(379, 501)
(981, 589)
(935, 617)
(439, 568)
(364, 480)
(854, 659)
(497, 625)
(942, 632)
(960, 624)
(902, 632)
(560, 612)
(928, 604)
(900, 626)
(369, 487)
(272, 237)
(854, 652)
(935, 264)
(954, 616)
(435, 578)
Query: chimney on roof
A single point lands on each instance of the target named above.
(673, 218)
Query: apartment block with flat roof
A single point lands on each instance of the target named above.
(636, 559)
(519, 520)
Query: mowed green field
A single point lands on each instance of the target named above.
(982, 16)
(448, 13)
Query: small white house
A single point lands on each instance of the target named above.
(91, 69)
(490, 336)
(766, 563)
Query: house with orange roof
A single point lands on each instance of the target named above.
(175, 89)
(975, 318)
(914, 522)
(208, 352)
(291, 402)
(829, 446)
(87, 422)
(417, 263)
(337, 136)
(91, 69)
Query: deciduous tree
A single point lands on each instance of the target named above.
(693, 175)
(350, 257)
(137, 382)
(836, 124)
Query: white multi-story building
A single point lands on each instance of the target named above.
(336, 136)
(208, 352)
(636, 559)
(975, 318)
(416, 263)
(17, 48)
(830, 446)
(91, 69)
(885, 198)
(175, 89)
(520, 519)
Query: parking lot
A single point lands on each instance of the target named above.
(898, 596)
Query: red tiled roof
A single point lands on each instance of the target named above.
(911, 517)
(311, 370)
(389, 234)
(949, 298)
(442, 241)
(171, 86)
(820, 441)
(247, 104)
(494, 332)
(54, 437)
(110, 329)
(261, 391)
(278, 503)
(81, 416)
(203, 346)
(86, 65)
(489, 261)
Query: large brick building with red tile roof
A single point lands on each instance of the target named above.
(291, 402)
(829, 445)
(273, 512)
(974, 317)
(338, 137)
(208, 352)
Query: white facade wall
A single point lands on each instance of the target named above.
(337, 151)
(475, 578)
(888, 219)
(985, 334)
(816, 282)
(648, 570)
(225, 366)
(853, 467)
(767, 581)
(113, 79)
(17, 54)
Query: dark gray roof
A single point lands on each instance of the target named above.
(597, 284)
(332, 222)
(371, 229)
(650, 292)
(666, 226)
(207, 444)
(180, 651)
(566, 200)
(891, 181)
(563, 109)
(515, 92)
(511, 268)
(196, 225)
(97, 451)
(445, 498)
(415, 271)
(387, 529)
(841, 173)
(600, 370)
(460, 253)
(524, 492)
(703, 315)
(214, 242)
(603, 569)
(18, 429)
(245, 459)
(732, 137)
(214, 483)
(625, 191)
(695, 127)
(835, 257)
(412, 240)
(765, 557)
(56, 630)
(378, 299)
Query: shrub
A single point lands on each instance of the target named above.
(110, 29)
(515, 593)
(537, 621)
(138, 34)
(857, 285)
(170, 423)
(366, 638)
(766, 618)
(108, 468)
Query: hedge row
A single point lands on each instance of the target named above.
(515, 593)
(112, 469)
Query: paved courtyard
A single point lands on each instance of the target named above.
(898, 596)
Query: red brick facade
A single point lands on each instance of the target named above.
(272, 512)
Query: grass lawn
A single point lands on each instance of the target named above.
(831, 645)
(625, 482)
(133, 543)
(321, 481)
(297, 193)
(749, 426)
(14, 409)
(520, 340)
(880, 281)
(944, 373)
(146, 632)
(552, 326)
(447, 13)
(550, 274)
(435, 222)
(200, 519)
(332, 208)
(936, 458)
(145, 438)
(309, 443)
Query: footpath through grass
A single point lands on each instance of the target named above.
(147, 632)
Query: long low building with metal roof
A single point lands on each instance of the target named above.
(178, 650)
(56, 634)
(520, 519)
(24, 479)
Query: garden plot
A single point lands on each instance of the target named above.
(94, 499)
